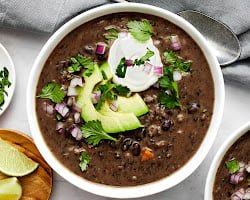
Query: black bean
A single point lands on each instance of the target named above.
(136, 149)
(166, 125)
(141, 134)
(113, 144)
(89, 49)
(126, 144)
(102, 57)
(193, 108)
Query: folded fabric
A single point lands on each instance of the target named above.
(48, 15)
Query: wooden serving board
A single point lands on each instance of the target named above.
(37, 185)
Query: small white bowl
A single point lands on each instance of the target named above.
(141, 190)
(218, 158)
(6, 61)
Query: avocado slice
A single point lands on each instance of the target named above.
(133, 104)
(111, 123)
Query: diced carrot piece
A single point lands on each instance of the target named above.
(147, 154)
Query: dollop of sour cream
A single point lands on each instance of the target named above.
(137, 78)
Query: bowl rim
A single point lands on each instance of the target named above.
(208, 195)
(140, 190)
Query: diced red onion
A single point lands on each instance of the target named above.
(175, 42)
(242, 167)
(238, 195)
(77, 117)
(96, 96)
(247, 167)
(247, 194)
(236, 178)
(114, 106)
(71, 101)
(123, 34)
(72, 91)
(62, 109)
(76, 132)
(76, 81)
(158, 71)
(129, 62)
(60, 127)
(147, 67)
(49, 109)
(177, 76)
(76, 107)
(100, 48)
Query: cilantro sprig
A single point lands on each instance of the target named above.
(112, 34)
(121, 90)
(85, 159)
(78, 62)
(170, 98)
(140, 30)
(52, 91)
(4, 82)
(107, 93)
(233, 166)
(94, 133)
(121, 68)
(144, 58)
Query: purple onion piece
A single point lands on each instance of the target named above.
(71, 101)
(49, 109)
(236, 178)
(158, 71)
(238, 195)
(60, 127)
(76, 132)
(175, 42)
(247, 194)
(62, 109)
(147, 67)
(129, 62)
(96, 96)
(72, 91)
(242, 167)
(77, 117)
(113, 106)
(177, 76)
(76, 81)
(100, 48)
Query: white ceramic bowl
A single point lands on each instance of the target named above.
(218, 158)
(6, 61)
(142, 190)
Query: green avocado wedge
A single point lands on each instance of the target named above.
(111, 123)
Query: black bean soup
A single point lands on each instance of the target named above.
(170, 135)
(232, 180)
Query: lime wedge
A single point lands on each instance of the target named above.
(14, 162)
(10, 189)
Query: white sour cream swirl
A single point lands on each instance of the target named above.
(136, 78)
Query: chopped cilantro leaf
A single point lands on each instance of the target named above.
(94, 133)
(121, 90)
(84, 161)
(121, 68)
(4, 82)
(144, 58)
(104, 76)
(106, 94)
(233, 166)
(176, 62)
(169, 101)
(248, 180)
(53, 92)
(80, 61)
(140, 30)
(112, 34)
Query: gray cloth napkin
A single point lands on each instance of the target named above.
(48, 15)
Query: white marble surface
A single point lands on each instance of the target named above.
(24, 47)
